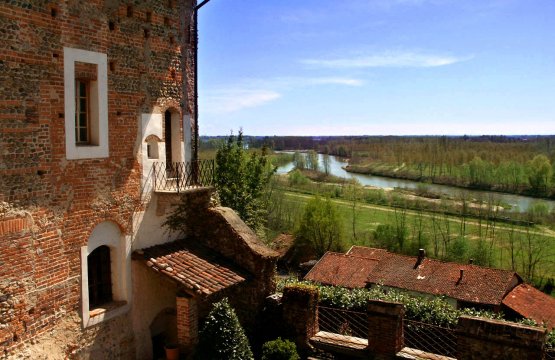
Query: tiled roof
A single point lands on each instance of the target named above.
(342, 270)
(368, 252)
(532, 303)
(478, 284)
(362, 266)
(198, 269)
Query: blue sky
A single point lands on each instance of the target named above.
(377, 67)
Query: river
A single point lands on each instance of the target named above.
(517, 202)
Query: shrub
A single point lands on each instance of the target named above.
(222, 337)
(279, 350)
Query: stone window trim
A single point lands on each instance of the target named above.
(107, 233)
(98, 147)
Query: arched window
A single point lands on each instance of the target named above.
(105, 280)
(100, 276)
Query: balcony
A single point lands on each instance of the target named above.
(178, 177)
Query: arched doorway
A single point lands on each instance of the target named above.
(163, 331)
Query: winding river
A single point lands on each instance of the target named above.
(517, 202)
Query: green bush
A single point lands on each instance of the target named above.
(279, 350)
(222, 337)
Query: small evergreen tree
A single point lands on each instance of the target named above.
(279, 350)
(222, 337)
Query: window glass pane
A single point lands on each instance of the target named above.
(83, 134)
(82, 89)
(83, 119)
(83, 104)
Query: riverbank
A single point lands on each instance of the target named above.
(402, 173)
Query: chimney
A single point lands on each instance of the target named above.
(471, 261)
(421, 256)
(461, 275)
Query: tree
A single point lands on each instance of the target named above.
(321, 226)
(222, 337)
(242, 179)
(540, 174)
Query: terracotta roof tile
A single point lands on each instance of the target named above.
(362, 266)
(478, 284)
(532, 303)
(198, 269)
(342, 270)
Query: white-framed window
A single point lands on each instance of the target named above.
(86, 105)
(105, 275)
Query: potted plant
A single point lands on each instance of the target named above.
(172, 351)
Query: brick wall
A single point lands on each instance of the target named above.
(62, 200)
(492, 339)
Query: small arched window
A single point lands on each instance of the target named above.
(100, 276)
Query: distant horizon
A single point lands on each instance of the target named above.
(366, 135)
(381, 67)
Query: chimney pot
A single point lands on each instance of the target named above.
(471, 261)
(421, 253)
(461, 274)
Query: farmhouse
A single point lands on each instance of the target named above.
(97, 139)
(464, 285)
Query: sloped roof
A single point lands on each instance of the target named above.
(532, 303)
(478, 284)
(361, 266)
(197, 269)
(368, 252)
(342, 270)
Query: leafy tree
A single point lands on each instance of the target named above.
(279, 350)
(540, 175)
(321, 226)
(222, 337)
(242, 179)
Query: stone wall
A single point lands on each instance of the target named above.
(62, 200)
(479, 338)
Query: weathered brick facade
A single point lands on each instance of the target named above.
(49, 204)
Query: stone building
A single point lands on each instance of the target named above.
(97, 98)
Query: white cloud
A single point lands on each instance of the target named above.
(252, 93)
(387, 59)
(232, 100)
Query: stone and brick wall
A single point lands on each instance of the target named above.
(49, 205)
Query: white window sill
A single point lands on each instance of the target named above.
(106, 312)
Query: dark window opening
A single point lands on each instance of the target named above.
(147, 33)
(129, 11)
(53, 12)
(172, 39)
(82, 113)
(148, 16)
(111, 25)
(112, 66)
(168, 137)
(100, 276)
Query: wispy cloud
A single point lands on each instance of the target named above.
(251, 93)
(387, 59)
(231, 100)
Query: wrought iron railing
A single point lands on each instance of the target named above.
(344, 323)
(429, 338)
(550, 354)
(180, 176)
